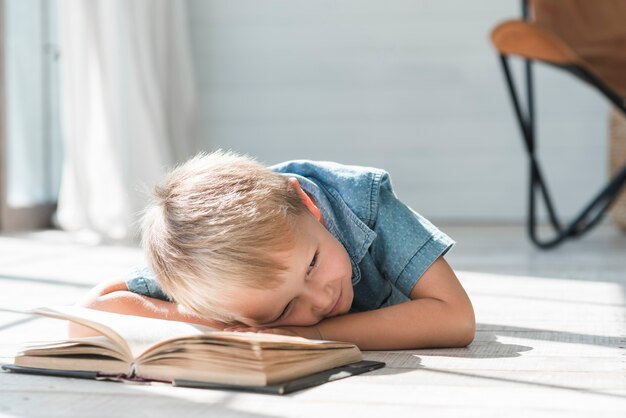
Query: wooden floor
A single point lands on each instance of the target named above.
(551, 339)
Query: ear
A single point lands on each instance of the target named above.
(308, 202)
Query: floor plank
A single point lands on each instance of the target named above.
(550, 340)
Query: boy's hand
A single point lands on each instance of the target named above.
(311, 332)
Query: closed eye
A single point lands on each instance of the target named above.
(310, 268)
(284, 312)
(312, 264)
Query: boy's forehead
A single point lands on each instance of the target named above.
(298, 245)
(262, 305)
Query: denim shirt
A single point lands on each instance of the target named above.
(389, 244)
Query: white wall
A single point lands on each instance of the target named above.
(412, 86)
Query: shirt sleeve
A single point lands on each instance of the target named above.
(142, 282)
(406, 243)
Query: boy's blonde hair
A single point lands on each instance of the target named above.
(214, 225)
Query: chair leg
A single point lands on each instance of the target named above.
(591, 214)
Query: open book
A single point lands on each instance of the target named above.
(147, 349)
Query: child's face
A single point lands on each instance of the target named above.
(317, 284)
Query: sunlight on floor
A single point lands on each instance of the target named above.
(551, 332)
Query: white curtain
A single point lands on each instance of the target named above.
(128, 106)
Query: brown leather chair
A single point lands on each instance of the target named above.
(588, 40)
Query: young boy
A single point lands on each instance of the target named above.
(314, 249)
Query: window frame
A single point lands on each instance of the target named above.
(36, 216)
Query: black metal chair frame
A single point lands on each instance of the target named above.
(593, 212)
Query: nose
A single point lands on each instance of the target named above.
(320, 298)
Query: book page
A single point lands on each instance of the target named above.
(96, 345)
(133, 334)
(229, 369)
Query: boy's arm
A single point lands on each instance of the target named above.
(440, 314)
(115, 297)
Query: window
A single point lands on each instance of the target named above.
(30, 140)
